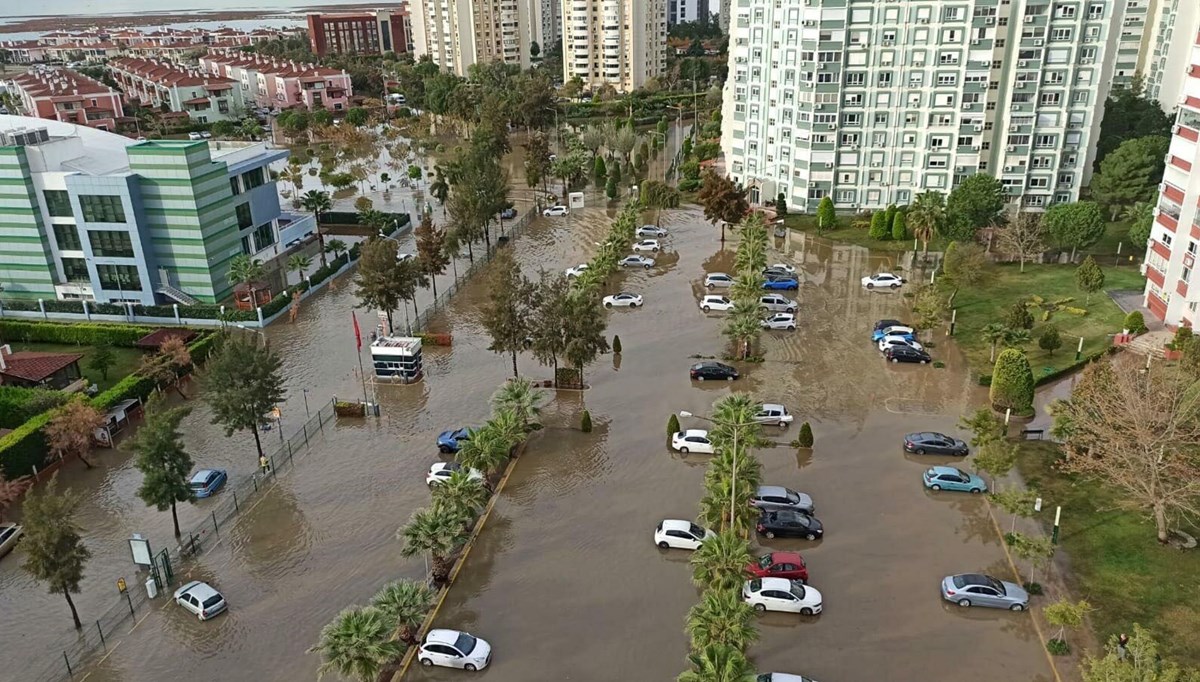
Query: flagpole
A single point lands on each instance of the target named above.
(358, 347)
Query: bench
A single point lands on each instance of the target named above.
(1032, 434)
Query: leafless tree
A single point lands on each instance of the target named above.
(70, 430)
(1023, 237)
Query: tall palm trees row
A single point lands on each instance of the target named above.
(721, 626)
(743, 324)
(362, 642)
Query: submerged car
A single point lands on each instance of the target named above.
(207, 482)
(789, 524)
(712, 370)
(977, 589)
(714, 302)
(647, 245)
(454, 649)
(786, 321)
(692, 440)
(10, 533)
(623, 300)
(949, 478)
(934, 443)
(906, 354)
(781, 594)
(679, 534)
(556, 211)
(717, 279)
(450, 441)
(781, 282)
(777, 497)
(201, 599)
(440, 472)
(893, 330)
(651, 231)
(788, 565)
(636, 261)
(883, 279)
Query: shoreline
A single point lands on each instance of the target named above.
(48, 24)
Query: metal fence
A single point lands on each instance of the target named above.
(96, 637)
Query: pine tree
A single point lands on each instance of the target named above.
(1089, 277)
(899, 229)
(54, 549)
(164, 464)
(880, 230)
(243, 384)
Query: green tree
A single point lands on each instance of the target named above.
(1017, 316)
(404, 604)
(1135, 322)
(583, 328)
(435, 534)
(317, 202)
(1018, 502)
(1016, 338)
(805, 439)
(899, 229)
(357, 645)
(1131, 173)
(1089, 277)
(880, 230)
(717, 663)
(53, 547)
(965, 264)
(723, 200)
(672, 424)
(102, 360)
(356, 116)
(248, 271)
(379, 283)
(520, 396)
(243, 383)
(720, 562)
(985, 426)
(996, 458)
(431, 250)
(976, 203)
(162, 459)
(1074, 226)
(610, 188)
(781, 207)
(507, 312)
(336, 247)
(599, 171)
(1066, 615)
(460, 496)
(1141, 216)
(658, 195)
(414, 172)
(826, 215)
(1023, 237)
(929, 308)
(298, 264)
(1129, 114)
(69, 431)
(927, 215)
(993, 333)
(721, 617)
(743, 326)
(1138, 661)
(548, 340)
(1012, 383)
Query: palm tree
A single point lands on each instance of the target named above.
(993, 333)
(519, 396)
(751, 257)
(926, 215)
(405, 604)
(734, 415)
(1016, 338)
(718, 663)
(508, 427)
(460, 496)
(336, 247)
(355, 645)
(439, 188)
(294, 176)
(317, 201)
(299, 264)
(485, 451)
(743, 326)
(720, 563)
(721, 617)
(747, 286)
(246, 270)
(436, 534)
(1132, 214)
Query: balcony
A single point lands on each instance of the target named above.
(1155, 276)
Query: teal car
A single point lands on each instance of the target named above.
(949, 478)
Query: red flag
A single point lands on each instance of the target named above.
(357, 332)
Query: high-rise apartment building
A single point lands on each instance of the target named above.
(547, 23)
(459, 33)
(614, 42)
(680, 11)
(1170, 51)
(872, 102)
(1175, 237)
(371, 32)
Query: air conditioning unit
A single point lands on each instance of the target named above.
(876, 164)
(810, 22)
(1174, 129)
(1037, 42)
(1012, 148)
(1162, 187)
(922, 21)
(966, 106)
(820, 107)
(1086, 60)
(828, 165)
(1029, 18)
(1023, 63)
(991, 20)
(1013, 128)
(978, 128)
(833, 126)
(1010, 169)
(977, 41)
(887, 42)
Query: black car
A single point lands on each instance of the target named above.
(906, 354)
(933, 443)
(713, 370)
(884, 324)
(789, 524)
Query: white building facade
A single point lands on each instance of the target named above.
(621, 43)
(872, 102)
(680, 11)
(459, 33)
(1170, 48)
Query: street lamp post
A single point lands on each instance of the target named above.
(733, 482)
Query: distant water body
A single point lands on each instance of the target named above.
(12, 9)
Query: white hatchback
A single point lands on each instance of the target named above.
(781, 594)
(711, 303)
(692, 440)
(780, 321)
(201, 599)
(892, 341)
(647, 245)
(556, 211)
(439, 472)
(651, 231)
(679, 534)
(455, 649)
(789, 269)
(577, 270)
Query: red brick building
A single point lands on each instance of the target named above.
(372, 32)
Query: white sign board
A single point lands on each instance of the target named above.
(575, 200)
(140, 548)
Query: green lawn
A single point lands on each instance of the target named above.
(125, 360)
(985, 303)
(1116, 562)
(848, 234)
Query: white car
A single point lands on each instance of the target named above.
(890, 341)
(647, 245)
(777, 304)
(559, 210)
(781, 594)
(195, 136)
(625, 299)
(439, 472)
(201, 599)
(635, 261)
(782, 677)
(711, 303)
(651, 231)
(455, 649)
(717, 279)
(577, 270)
(883, 279)
(780, 321)
(789, 269)
(773, 413)
(10, 533)
(692, 440)
(680, 534)
(896, 330)
(401, 257)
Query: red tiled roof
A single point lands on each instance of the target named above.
(166, 73)
(36, 366)
(156, 338)
(60, 83)
(196, 100)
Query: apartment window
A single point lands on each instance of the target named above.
(947, 79)
(75, 270)
(1064, 11)
(119, 277)
(244, 218)
(885, 79)
(1191, 247)
(111, 243)
(1067, 179)
(67, 237)
(58, 203)
(102, 208)
(1039, 183)
(1060, 34)
(1051, 98)
(253, 178)
(264, 236)
(1045, 141)
(1095, 11)
(235, 186)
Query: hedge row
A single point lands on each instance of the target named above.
(81, 333)
(18, 404)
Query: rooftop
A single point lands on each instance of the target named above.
(45, 82)
(35, 366)
(167, 73)
(271, 66)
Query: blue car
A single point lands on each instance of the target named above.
(895, 330)
(949, 478)
(783, 282)
(450, 441)
(206, 482)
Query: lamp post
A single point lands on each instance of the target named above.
(262, 337)
(733, 482)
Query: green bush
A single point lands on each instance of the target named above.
(1017, 316)
(1135, 323)
(63, 306)
(673, 424)
(1058, 647)
(879, 228)
(585, 424)
(132, 386)
(899, 229)
(18, 405)
(1012, 383)
(805, 439)
(24, 448)
(616, 344)
(74, 333)
(1050, 340)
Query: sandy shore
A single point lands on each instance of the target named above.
(78, 23)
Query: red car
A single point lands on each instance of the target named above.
(788, 565)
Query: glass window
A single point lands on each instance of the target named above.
(243, 216)
(253, 178)
(58, 202)
(112, 243)
(75, 270)
(102, 208)
(234, 186)
(67, 237)
(119, 277)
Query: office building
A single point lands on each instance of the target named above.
(371, 32)
(1175, 237)
(621, 43)
(67, 96)
(279, 83)
(872, 103)
(205, 98)
(97, 216)
(458, 33)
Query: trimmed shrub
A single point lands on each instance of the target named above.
(616, 344)
(805, 439)
(24, 448)
(880, 230)
(1135, 323)
(74, 333)
(585, 424)
(672, 424)
(132, 386)
(18, 404)
(1058, 647)
(899, 229)
(1012, 383)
